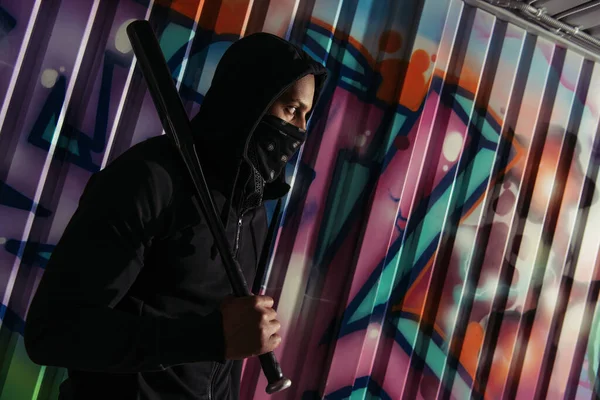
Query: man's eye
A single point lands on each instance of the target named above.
(292, 110)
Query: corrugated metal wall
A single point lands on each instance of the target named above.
(442, 237)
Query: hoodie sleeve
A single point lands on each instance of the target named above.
(72, 322)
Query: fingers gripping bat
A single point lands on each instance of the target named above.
(177, 126)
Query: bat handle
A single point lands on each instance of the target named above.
(272, 371)
(268, 361)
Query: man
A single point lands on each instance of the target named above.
(135, 300)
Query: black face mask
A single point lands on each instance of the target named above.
(272, 145)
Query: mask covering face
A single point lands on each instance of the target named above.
(273, 143)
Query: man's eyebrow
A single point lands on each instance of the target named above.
(303, 105)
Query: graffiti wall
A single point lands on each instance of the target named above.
(442, 236)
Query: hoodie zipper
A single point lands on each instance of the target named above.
(236, 248)
(238, 236)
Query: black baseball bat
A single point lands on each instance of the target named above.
(177, 126)
(264, 254)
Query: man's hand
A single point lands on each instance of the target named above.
(250, 326)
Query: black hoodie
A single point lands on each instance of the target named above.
(129, 299)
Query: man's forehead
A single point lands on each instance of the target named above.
(302, 91)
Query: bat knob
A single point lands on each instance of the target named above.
(279, 385)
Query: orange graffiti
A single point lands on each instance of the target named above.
(233, 16)
(423, 321)
(187, 8)
(549, 178)
(506, 348)
(415, 83)
(390, 41)
(391, 71)
(230, 17)
(472, 343)
(414, 298)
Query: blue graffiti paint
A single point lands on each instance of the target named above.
(481, 148)
(11, 320)
(7, 23)
(11, 197)
(30, 253)
(484, 138)
(352, 69)
(364, 384)
(74, 145)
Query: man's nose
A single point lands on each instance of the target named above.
(301, 124)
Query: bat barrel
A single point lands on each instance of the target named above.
(177, 126)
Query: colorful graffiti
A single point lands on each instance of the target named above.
(439, 240)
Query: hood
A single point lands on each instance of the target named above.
(250, 76)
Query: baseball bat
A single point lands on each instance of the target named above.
(177, 126)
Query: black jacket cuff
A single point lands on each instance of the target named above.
(191, 339)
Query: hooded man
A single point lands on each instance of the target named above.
(135, 301)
